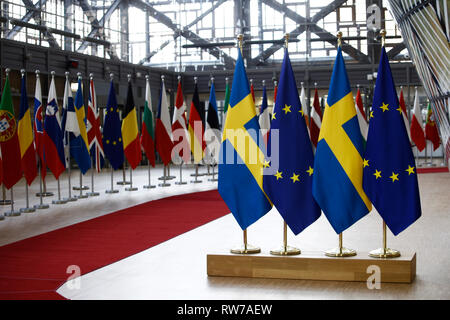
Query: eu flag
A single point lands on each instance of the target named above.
(390, 177)
(338, 164)
(289, 186)
(112, 134)
(241, 158)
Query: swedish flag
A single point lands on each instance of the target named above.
(241, 158)
(390, 177)
(338, 164)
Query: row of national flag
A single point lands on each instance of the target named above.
(355, 165)
(54, 135)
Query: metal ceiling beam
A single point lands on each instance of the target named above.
(33, 12)
(99, 30)
(189, 35)
(395, 50)
(312, 24)
(195, 21)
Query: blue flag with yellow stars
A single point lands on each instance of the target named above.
(338, 163)
(112, 134)
(242, 155)
(289, 186)
(390, 177)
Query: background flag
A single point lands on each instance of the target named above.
(264, 117)
(1, 167)
(227, 99)
(53, 136)
(163, 128)
(94, 134)
(25, 133)
(76, 127)
(390, 177)
(252, 90)
(404, 114)
(112, 134)
(240, 172)
(338, 164)
(431, 130)
(304, 110)
(290, 188)
(417, 133)
(9, 140)
(316, 119)
(197, 127)
(212, 131)
(38, 125)
(275, 91)
(130, 132)
(148, 133)
(67, 100)
(362, 118)
(179, 123)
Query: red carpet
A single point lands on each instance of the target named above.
(35, 268)
(432, 170)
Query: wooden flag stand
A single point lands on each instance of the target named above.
(311, 266)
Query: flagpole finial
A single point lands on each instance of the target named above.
(226, 80)
(212, 79)
(195, 80)
(111, 76)
(383, 36)
(357, 86)
(129, 77)
(315, 84)
(339, 38)
(264, 83)
(240, 38)
(286, 40)
(79, 76)
(162, 77)
(301, 83)
(179, 78)
(22, 72)
(67, 73)
(53, 74)
(7, 70)
(147, 77)
(276, 83)
(91, 76)
(251, 81)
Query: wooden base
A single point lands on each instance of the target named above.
(312, 266)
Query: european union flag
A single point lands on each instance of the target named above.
(390, 177)
(241, 158)
(338, 164)
(290, 187)
(112, 134)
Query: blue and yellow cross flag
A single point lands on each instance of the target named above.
(112, 134)
(390, 177)
(289, 186)
(242, 155)
(338, 163)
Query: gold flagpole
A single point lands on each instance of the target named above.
(340, 251)
(384, 252)
(285, 250)
(246, 248)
